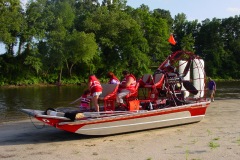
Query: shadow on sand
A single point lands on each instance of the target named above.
(26, 133)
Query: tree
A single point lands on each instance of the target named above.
(164, 14)
(212, 46)
(179, 27)
(80, 47)
(11, 20)
(188, 43)
(57, 32)
(34, 63)
(231, 37)
(155, 28)
(120, 39)
(37, 18)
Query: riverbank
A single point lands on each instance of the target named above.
(84, 84)
(216, 137)
(42, 85)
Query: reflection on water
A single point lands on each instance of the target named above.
(12, 99)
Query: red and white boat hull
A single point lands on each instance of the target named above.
(129, 122)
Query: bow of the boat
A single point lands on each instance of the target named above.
(32, 112)
(47, 119)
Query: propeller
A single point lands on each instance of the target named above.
(189, 87)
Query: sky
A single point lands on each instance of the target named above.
(194, 9)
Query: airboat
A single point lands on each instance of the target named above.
(175, 94)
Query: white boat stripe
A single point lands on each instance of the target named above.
(82, 129)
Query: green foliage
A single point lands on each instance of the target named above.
(213, 145)
(26, 80)
(11, 21)
(238, 141)
(51, 78)
(81, 47)
(66, 40)
(72, 80)
(34, 62)
(188, 43)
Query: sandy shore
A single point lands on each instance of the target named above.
(216, 137)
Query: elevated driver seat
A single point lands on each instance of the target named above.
(108, 96)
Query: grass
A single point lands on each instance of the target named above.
(238, 141)
(215, 139)
(213, 145)
(209, 132)
(187, 154)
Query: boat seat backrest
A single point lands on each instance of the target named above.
(158, 80)
(135, 92)
(108, 89)
(146, 78)
(158, 77)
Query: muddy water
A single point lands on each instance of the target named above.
(13, 99)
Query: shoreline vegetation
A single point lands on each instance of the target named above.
(83, 84)
(41, 85)
(66, 41)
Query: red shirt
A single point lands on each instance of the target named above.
(94, 85)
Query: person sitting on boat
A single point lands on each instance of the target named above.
(126, 86)
(85, 101)
(95, 89)
(112, 78)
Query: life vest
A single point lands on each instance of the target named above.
(113, 80)
(94, 85)
(85, 102)
(131, 87)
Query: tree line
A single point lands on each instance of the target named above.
(49, 41)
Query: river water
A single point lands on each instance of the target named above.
(13, 99)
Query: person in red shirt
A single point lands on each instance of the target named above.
(126, 86)
(95, 89)
(112, 78)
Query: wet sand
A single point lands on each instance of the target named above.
(216, 137)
